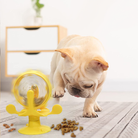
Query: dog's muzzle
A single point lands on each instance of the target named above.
(76, 90)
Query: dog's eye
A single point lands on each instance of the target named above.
(85, 86)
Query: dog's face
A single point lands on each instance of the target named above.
(81, 73)
(79, 86)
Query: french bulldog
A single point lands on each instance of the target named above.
(79, 65)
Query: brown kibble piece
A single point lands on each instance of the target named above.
(7, 126)
(9, 130)
(13, 128)
(12, 124)
(63, 132)
(75, 128)
(73, 124)
(71, 129)
(64, 126)
(64, 122)
(81, 128)
(62, 129)
(52, 126)
(55, 128)
(66, 130)
(4, 125)
(73, 135)
(59, 126)
(69, 122)
(70, 126)
(64, 119)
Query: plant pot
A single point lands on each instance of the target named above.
(38, 20)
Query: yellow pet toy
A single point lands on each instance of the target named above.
(32, 100)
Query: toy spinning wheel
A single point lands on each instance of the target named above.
(32, 90)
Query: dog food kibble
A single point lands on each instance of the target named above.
(64, 122)
(64, 119)
(71, 129)
(59, 126)
(10, 130)
(70, 126)
(63, 132)
(81, 128)
(73, 135)
(69, 121)
(52, 126)
(4, 125)
(75, 128)
(64, 125)
(55, 128)
(67, 126)
(7, 126)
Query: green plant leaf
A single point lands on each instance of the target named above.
(39, 5)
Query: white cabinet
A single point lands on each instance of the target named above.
(31, 48)
(19, 62)
(43, 38)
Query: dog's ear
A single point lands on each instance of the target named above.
(66, 53)
(99, 63)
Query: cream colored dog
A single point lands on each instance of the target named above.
(79, 65)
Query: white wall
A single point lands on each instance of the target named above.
(114, 22)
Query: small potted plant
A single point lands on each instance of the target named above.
(37, 6)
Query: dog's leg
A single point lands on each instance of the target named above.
(53, 67)
(97, 108)
(90, 105)
(58, 90)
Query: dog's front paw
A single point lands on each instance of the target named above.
(89, 112)
(97, 108)
(58, 92)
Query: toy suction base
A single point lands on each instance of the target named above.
(34, 130)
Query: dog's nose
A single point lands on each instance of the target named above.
(76, 90)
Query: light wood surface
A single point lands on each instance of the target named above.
(117, 119)
(62, 32)
(36, 51)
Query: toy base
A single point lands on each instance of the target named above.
(34, 130)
